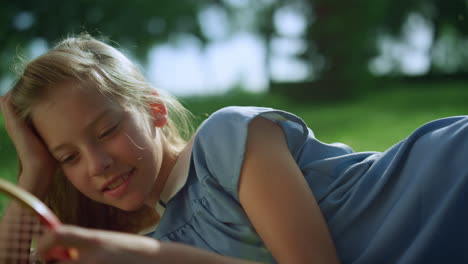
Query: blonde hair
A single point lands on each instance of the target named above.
(86, 60)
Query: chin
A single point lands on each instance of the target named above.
(134, 209)
(130, 207)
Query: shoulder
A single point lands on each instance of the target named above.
(231, 116)
(219, 145)
(229, 123)
(237, 119)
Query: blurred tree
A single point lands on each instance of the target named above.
(136, 25)
(340, 40)
(255, 16)
(264, 20)
(340, 36)
(344, 34)
(448, 19)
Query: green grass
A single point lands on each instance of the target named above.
(368, 122)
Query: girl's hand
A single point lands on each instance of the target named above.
(37, 166)
(97, 246)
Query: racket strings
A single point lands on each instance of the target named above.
(18, 231)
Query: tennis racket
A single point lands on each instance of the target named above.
(25, 220)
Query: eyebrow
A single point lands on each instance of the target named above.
(96, 120)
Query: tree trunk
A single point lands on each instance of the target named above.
(342, 33)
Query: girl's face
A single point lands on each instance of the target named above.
(109, 153)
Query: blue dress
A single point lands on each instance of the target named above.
(408, 204)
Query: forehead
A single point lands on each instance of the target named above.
(67, 109)
(72, 97)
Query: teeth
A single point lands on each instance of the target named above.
(116, 183)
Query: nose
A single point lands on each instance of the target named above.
(99, 160)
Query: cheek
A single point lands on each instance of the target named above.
(134, 144)
(140, 151)
(126, 148)
(78, 178)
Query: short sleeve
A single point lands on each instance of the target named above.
(219, 145)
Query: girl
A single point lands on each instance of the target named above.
(105, 151)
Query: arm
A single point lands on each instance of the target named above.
(36, 164)
(97, 246)
(278, 200)
(34, 176)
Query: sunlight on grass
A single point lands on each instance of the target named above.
(368, 123)
(371, 122)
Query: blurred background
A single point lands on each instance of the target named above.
(363, 72)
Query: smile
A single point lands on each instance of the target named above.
(117, 182)
(118, 186)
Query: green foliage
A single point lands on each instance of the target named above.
(340, 39)
(136, 25)
(445, 18)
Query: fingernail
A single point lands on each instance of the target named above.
(6, 97)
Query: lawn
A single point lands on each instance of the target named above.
(369, 122)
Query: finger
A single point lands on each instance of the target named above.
(5, 98)
(65, 236)
(7, 108)
(82, 245)
(3, 101)
(66, 242)
(7, 94)
(13, 123)
(68, 262)
(6, 102)
(15, 126)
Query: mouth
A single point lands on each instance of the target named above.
(118, 185)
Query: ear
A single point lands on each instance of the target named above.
(159, 112)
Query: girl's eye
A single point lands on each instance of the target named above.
(69, 158)
(108, 132)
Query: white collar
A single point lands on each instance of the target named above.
(175, 181)
(179, 173)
